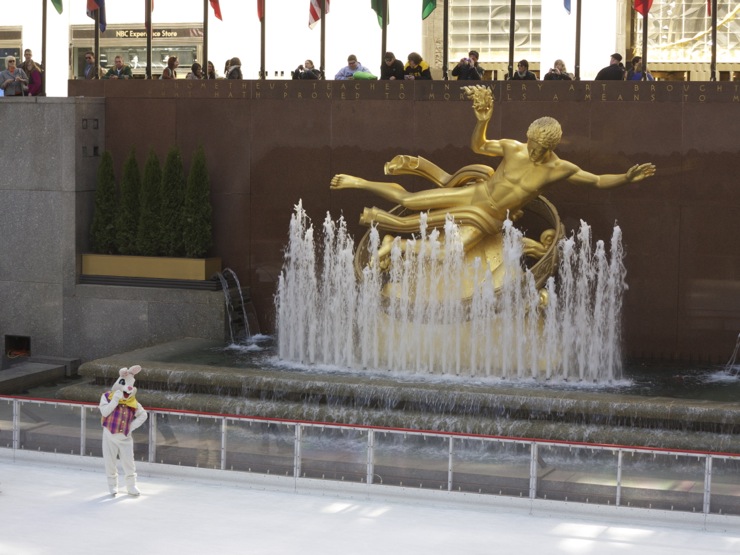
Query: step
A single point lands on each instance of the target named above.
(23, 376)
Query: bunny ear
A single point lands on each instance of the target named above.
(123, 372)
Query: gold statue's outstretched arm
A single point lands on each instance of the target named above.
(482, 98)
(638, 172)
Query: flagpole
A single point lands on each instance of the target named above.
(43, 46)
(263, 72)
(323, 38)
(205, 39)
(446, 39)
(384, 39)
(645, 43)
(96, 46)
(713, 74)
(578, 40)
(149, 31)
(512, 22)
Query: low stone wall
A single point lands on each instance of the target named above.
(49, 152)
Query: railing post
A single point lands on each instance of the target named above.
(618, 501)
(153, 437)
(449, 464)
(707, 484)
(297, 451)
(16, 424)
(533, 472)
(223, 443)
(83, 430)
(370, 456)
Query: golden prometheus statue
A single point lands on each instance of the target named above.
(479, 198)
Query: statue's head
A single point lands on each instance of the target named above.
(546, 131)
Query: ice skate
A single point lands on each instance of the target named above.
(113, 486)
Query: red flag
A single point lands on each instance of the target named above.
(216, 9)
(260, 9)
(643, 6)
(314, 12)
(709, 8)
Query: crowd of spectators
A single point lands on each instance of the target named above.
(27, 78)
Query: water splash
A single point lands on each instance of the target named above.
(235, 306)
(417, 319)
(731, 367)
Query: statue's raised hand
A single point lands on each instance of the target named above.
(638, 172)
(482, 98)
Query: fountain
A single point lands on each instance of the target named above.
(453, 320)
(443, 317)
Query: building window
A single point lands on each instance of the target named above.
(681, 31)
(483, 25)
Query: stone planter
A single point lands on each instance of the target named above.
(151, 267)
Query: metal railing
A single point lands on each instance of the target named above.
(672, 480)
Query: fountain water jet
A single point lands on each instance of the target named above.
(418, 319)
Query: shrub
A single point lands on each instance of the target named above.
(172, 195)
(103, 228)
(197, 235)
(148, 239)
(127, 221)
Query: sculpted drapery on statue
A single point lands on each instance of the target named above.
(478, 197)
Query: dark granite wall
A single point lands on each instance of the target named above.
(271, 143)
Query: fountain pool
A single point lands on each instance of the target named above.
(653, 405)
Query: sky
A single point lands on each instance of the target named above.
(61, 506)
(352, 28)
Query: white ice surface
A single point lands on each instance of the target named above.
(47, 507)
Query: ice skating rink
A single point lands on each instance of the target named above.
(53, 507)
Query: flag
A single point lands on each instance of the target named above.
(314, 12)
(379, 7)
(566, 3)
(709, 8)
(260, 9)
(57, 5)
(93, 5)
(216, 9)
(427, 7)
(643, 6)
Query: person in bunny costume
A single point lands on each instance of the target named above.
(122, 414)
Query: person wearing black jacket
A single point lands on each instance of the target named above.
(558, 72)
(468, 69)
(614, 71)
(391, 68)
(306, 71)
(522, 72)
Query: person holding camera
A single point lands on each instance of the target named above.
(558, 72)
(13, 80)
(306, 71)
(467, 69)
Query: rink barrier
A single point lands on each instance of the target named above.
(699, 482)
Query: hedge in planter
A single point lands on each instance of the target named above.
(197, 235)
(103, 229)
(172, 195)
(148, 238)
(127, 220)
